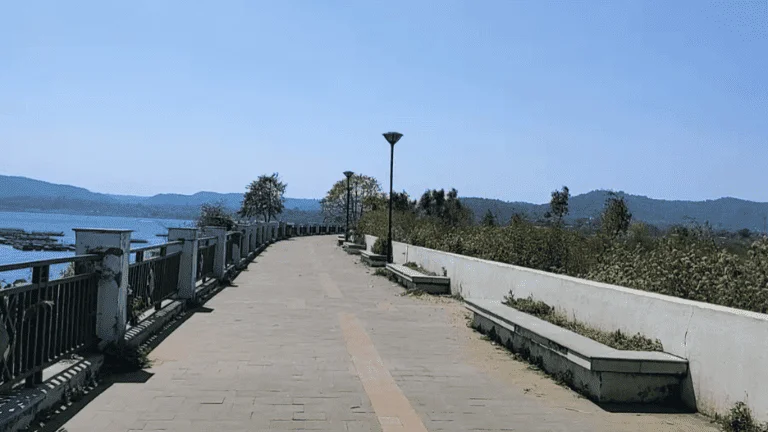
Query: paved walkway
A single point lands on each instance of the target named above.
(310, 340)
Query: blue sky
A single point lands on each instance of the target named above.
(500, 99)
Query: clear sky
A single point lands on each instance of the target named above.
(503, 99)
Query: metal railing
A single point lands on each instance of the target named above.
(152, 280)
(43, 321)
(206, 255)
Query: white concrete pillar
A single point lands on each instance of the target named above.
(188, 262)
(114, 246)
(240, 243)
(264, 239)
(236, 247)
(220, 261)
(253, 237)
(245, 249)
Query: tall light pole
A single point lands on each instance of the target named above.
(392, 138)
(346, 232)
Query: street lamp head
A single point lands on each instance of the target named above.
(392, 137)
(348, 174)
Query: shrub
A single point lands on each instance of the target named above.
(740, 419)
(380, 246)
(686, 262)
(615, 339)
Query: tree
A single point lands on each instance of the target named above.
(489, 219)
(558, 206)
(616, 217)
(744, 233)
(215, 214)
(264, 197)
(444, 207)
(365, 195)
(402, 202)
(517, 219)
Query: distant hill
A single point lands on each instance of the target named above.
(231, 200)
(11, 186)
(723, 213)
(25, 194)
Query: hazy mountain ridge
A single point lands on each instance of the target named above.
(23, 187)
(25, 194)
(723, 213)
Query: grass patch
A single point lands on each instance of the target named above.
(381, 272)
(414, 293)
(739, 419)
(418, 268)
(616, 339)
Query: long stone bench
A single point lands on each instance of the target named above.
(603, 374)
(373, 260)
(353, 248)
(413, 279)
(340, 239)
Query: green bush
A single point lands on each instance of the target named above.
(685, 263)
(740, 419)
(380, 246)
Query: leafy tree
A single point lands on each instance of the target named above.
(365, 195)
(264, 197)
(616, 217)
(215, 214)
(445, 207)
(744, 233)
(489, 219)
(402, 202)
(517, 219)
(432, 203)
(558, 206)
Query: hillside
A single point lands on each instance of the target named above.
(25, 194)
(723, 213)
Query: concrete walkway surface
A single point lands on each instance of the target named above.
(309, 339)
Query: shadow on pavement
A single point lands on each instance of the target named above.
(64, 413)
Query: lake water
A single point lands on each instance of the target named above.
(143, 228)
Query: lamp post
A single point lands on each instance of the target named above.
(392, 138)
(346, 233)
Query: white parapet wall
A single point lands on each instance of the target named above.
(727, 348)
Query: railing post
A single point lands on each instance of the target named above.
(245, 244)
(253, 238)
(114, 246)
(220, 260)
(238, 237)
(40, 276)
(188, 262)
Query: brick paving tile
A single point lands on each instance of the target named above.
(272, 354)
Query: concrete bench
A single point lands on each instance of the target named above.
(373, 260)
(340, 239)
(601, 373)
(353, 248)
(413, 279)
